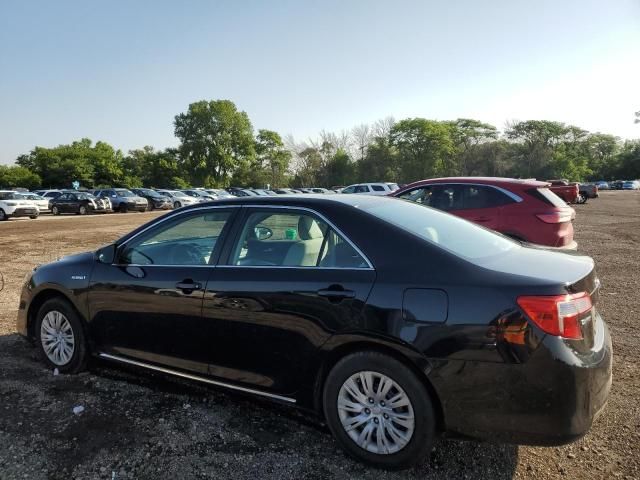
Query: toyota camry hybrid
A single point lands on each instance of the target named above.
(392, 321)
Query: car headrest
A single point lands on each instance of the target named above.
(308, 228)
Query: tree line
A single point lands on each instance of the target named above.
(218, 147)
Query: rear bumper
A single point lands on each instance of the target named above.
(552, 399)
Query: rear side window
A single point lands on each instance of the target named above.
(547, 196)
(292, 239)
(377, 188)
(480, 196)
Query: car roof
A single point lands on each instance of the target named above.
(300, 200)
(498, 181)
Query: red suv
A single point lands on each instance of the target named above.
(522, 209)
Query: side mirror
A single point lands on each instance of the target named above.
(263, 233)
(106, 254)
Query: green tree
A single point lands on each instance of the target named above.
(18, 177)
(216, 140)
(467, 134)
(425, 148)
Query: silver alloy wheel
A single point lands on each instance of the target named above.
(57, 338)
(83, 210)
(376, 412)
(54, 210)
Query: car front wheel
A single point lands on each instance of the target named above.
(176, 205)
(82, 210)
(55, 211)
(379, 411)
(61, 340)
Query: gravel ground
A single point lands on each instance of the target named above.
(147, 426)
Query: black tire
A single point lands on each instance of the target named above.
(421, 442)
(123, 208)
(149, 206)
(79, 358)
(55, 210)
(33, 217)
(176, 205)
(3, 216)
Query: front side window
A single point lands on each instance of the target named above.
(420, 195)
(350, 189)
(447, 197)
(292, 239)
(361, 189)
(186, 240)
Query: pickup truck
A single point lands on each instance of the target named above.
(569, 192)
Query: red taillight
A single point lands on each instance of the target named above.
(559, 314)
(556, 217)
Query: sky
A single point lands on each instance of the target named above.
(119, 71)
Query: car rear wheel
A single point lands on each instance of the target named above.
(379, 411)
(55, 211)
(149, 206)
(33, 217)
(3, 216)
(61, 340)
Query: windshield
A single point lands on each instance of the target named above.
(447, 231)
(151, 193)
(125, 193)
(9, 196)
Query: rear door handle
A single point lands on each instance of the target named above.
(188, 287)
(336, 294)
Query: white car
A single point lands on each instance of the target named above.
(178, 198)
(12, 205)
(378, 188)
(41, 202)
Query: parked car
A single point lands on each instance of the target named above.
(569, 192)
(13, 205)
(525, 210)
(587, 191)
(631, 185)
(602, 185)
(201, 195)
(155, 201)
(218, 193)
(41, 202)
(243, 192)
(123, 200)
(431, 325)
(48, 193)
(371, 188)
(178, 198)
(79, 203)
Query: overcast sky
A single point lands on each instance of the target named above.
(119, 71)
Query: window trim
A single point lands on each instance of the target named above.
(331, 225)
(233, 219)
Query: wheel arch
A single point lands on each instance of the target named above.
(39, 300)
(417, 364)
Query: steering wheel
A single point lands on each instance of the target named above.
(185, 254)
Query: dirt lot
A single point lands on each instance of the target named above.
(147, 426)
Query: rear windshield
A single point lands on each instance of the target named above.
(447, 231)
(548, 196)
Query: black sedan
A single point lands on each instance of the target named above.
(391, 321)
(79, 203)
(155, 201)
